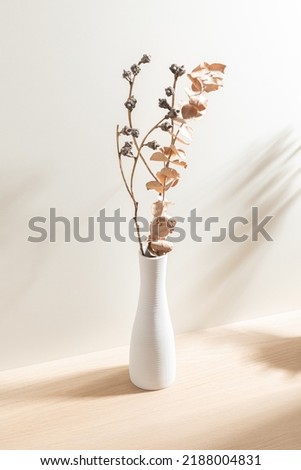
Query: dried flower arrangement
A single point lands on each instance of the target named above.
(203, 79)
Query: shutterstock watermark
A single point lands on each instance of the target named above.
(238, 229)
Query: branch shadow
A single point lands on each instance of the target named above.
(280, 353)
(268, 179)
(109, 382)
(273, 351)
(17, 193)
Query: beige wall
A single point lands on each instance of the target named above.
(61, 96)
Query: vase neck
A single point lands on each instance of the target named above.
(153, 273)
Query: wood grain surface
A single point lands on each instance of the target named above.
(238, 387)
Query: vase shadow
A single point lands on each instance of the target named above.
(98, 383)
(114, 381)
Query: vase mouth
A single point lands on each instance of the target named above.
(152, 258)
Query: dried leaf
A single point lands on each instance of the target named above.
(196, 85)
(182, 152)
(186, 132)
(189, 111)
(169, 173)
(199, 68)
(176, 136)
(169, 151)
(161, 178)
(179, 163)
(173, 152)
(218, 67)
(160, 247)
(161, 227)
(211, 87)
(168, 177)
(159, 208)
(158, 157)
(171, 184)
(198, 104)
(154, 185)
(181, 155)
(183, 141)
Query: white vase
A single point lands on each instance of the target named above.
(152, 351)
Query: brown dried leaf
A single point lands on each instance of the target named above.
(160, 247)
(211, 87)
(196, 85)
(169, 173)
(198, 104)
(215, 81)
(168, 177)
(154, 185)
(181, 155)
(182, 141)
(171, 184)
(218, 67)
(161, 227)
(169, 151)
(180, 137)
(158, 157)
(181, 152)
(199, 68)
(159, 208)
(189, 111)
(179, 163)
(161, 178)
(186, 132)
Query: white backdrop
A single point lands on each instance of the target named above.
(61, 95)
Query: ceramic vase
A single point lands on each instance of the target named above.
(152, 364)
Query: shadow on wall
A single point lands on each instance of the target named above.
(267, 181)
(19, 190)
(18, 198)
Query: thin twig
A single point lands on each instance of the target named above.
(172, 139)
(138, 228)
(139, 152)
(131, 193)
(172, 143)
(120, 164)
(134, 138)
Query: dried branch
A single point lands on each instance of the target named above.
(130, 191)
(204, 79)
(139, 152)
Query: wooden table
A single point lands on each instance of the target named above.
(238, 387)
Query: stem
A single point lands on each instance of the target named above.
(134, 138)
(139, 152)
(138, 228)
(172, 143)
(120, 164)
(130, 188)
(131, 193)
(172, 139)
(174, 95)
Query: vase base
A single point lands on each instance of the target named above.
(151, 385)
